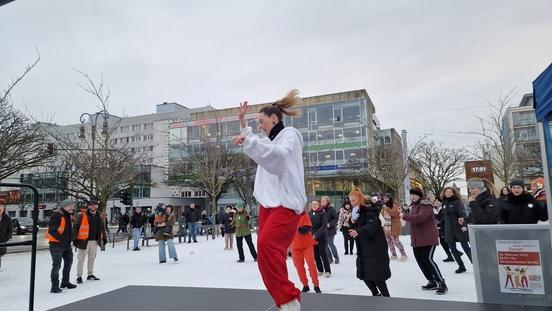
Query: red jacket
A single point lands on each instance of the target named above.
(302, 241)
(423, 227)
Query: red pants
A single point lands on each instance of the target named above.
(299, 257)
(276, 231)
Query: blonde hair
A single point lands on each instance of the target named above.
(284, 106)
(357, 193)
(327, 198)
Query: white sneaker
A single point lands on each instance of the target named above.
(293, 305)
(328, 274)
(403, 258)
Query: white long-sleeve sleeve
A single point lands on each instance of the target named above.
(279, 181)
(269, 156)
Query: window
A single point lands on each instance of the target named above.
(148, 137)
(351, 134)
(387, 140)
(305, 138)
(325, 135)
(326, 156)
(338, 135)
(150, 148)
(339, 155)
(351, 113)
(148, 126)
(186, 194)
(136, 127)
(133, 150)
(324, 114)
(301, 121)
(11, 213)
(312, 138)
(337, 117)
(313, 158)
(233, 128)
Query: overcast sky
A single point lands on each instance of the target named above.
(427, 65)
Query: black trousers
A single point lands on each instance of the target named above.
(424, 258)
(445, 246)
(321, 257)
(59, 252)
(250, 245)
(348, 241)
(456, 253)
(377, 288)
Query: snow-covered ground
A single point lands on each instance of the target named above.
(206, 264)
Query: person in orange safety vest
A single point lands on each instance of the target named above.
(88, 235)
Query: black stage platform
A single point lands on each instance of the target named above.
(154, 298)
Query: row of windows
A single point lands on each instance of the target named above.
(134, 138)
(135, 127)
(193, 194)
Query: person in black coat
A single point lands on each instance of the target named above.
(454, 214)
(193, 216)
(320, 233)
(521, 207)
(485, 208)
(372, 259)
(6, 228)
(331, 214)
(440, 219)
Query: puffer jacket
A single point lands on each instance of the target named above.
(423, 227)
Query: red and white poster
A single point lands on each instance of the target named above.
(519, 267)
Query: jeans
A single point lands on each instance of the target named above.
(58, 253)
(192, 227)
(136, 233)
(331, 249)
(162, 253)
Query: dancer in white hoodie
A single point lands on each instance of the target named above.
(280, 190)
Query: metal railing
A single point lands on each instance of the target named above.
(30, 242)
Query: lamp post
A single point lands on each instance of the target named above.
(93, 120)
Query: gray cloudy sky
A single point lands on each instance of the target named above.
(427, 65)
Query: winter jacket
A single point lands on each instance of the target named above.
(303, 236)
(95, 226)
(6, 228)
(228, 219)
(373, 260)
(54, 223)
(440, 220)
(137, 220)
(523, 209)
(279, 181)
(344, 219)
(423, 227)
(241, 223)
(192, 215)
(161, 233)
(485, 209)
(392, 225)
(452, 210)
(331, 214)
(319, 222)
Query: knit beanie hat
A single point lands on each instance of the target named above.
(517, 182)
(66, 203)
(476, 183)
(417, 191)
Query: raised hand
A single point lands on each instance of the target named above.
(242, 113)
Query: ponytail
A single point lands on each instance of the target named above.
(284, 106)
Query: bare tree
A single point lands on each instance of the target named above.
(243, 181)
(212, 169)
(496, 144)
(95, 168)
(438, 165)
(22, 145)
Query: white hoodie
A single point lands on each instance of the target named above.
(280, 174)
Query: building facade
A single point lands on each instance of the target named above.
(337, 129)
(520, 128)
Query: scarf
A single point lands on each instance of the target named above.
(275, 130)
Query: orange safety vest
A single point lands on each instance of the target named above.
(84, 229)
(60, 230)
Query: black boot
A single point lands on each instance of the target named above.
(68, 285)
(448, 259)
(92, 277)
(79, 280)
(460, 269)
(305, 289)
(189, 241)
(431, 285)
(55, 288)
(317, 289)
(442, 288)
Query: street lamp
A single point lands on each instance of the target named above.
(93, 120)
